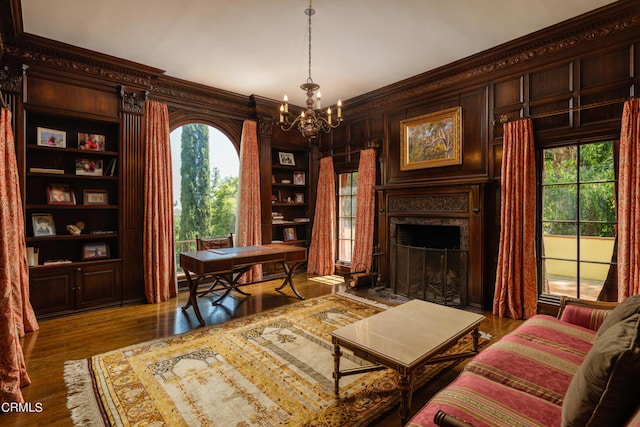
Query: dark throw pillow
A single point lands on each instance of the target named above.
(603, 391)
(628, 307)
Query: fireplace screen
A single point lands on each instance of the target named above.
(435, 275)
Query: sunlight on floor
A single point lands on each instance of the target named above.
(329, 280)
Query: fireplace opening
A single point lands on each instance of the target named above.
(429, 236)
(429, 264)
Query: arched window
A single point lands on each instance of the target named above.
(205, 168)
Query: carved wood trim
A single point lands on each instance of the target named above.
(430, 203)
(497, 59)
(132, 102)
(10, 79)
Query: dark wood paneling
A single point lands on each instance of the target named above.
(132, 204)
(64, 96)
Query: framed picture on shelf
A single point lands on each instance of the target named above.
(90, 141)
(98, 250)
(95, 197)
(88, 167)
(286, 159)
(298, 178)
(299, 197)
(60, 194)
(289, 234)
(275, 196)
(52, 138)
(43, 224)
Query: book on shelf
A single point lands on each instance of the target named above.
(47, 170)
(301, 220)
(57, 261)
(111, 168)
(278, 221)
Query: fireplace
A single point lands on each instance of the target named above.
(430, 260)
(432, 236)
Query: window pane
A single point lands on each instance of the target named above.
(344, 183)
(596, 202)
(560, 165)
(598, 249)
(345, 228)
(559, 202)
(592, 278)
(562, 277)
(345, 248)
(560, 246)
(596, 161)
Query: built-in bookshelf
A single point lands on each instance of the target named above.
(290, 222)
(72, 210)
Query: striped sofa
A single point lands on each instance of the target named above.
(579, 369)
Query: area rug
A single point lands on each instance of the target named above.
(271, 368)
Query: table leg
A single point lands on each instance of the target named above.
(476, 339)
(404, 385)
(193, 297)
(288, 280)
(336, 367)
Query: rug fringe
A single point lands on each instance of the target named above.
(363, 299)
(81, 400)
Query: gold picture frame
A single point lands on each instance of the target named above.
(431, 140)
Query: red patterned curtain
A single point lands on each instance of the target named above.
(159, 262)
(365, 211)
(248, 221)
(515, 290)
(16, 313)
(629, 202)
(322, 256)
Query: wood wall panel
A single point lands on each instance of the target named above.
(132, 205)
(72, 97)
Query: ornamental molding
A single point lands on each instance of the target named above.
(456, 202)
(10, 78)
(429, 82)
(31, 55)
(133, 102)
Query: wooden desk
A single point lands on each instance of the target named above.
(232, 263)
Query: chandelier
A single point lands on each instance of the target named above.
(313, 119)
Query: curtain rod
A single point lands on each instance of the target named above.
(370, 144)
(504, 118)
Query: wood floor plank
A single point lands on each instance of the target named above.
(83, 335)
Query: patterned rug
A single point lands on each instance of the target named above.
(272, 368)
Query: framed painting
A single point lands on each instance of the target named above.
(95, 251)
(431, 140)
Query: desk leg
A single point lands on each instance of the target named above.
(288, 280)
(336, 366)
(193, 297)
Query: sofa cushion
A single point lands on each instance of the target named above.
(540, 357)
(587, 317)
(625, 309)
(481, 402)
(602, 392)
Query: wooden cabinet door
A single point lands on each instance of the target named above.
(98, 284)
(52, 290)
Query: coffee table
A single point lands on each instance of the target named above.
(405, 338)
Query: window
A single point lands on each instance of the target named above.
(577, 219)
(205, 167)
(347, 185)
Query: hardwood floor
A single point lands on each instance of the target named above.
(83, 335)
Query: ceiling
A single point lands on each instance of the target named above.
(260, 46)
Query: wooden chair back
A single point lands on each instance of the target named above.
(203, 244)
